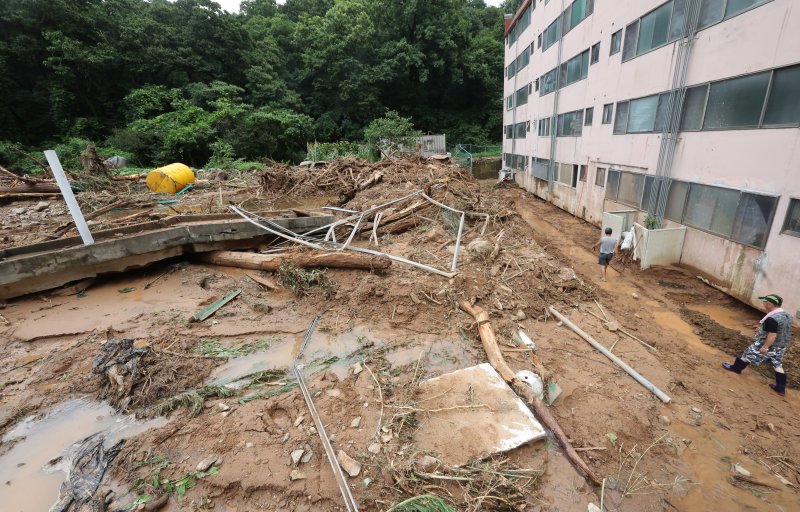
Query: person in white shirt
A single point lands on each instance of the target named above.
(608, 246)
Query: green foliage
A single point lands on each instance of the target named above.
(302, 281)
(192, 399)
(392, 127)
(423, 503)
(185, 81)
(156, 484)
(213, 348)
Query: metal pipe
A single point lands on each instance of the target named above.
(458, 243)
(69, 197)
(619, 362)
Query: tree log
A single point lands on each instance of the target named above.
(309, 259)
(31, 188)
(540, 409)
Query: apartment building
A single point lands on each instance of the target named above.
(685, 112)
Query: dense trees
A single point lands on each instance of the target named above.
(185, 80)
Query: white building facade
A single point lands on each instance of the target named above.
(685, 111)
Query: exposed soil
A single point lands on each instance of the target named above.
(381, 334)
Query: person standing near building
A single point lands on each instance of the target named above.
(608, 246)
(773, 336)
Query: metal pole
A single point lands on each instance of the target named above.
(69, 197)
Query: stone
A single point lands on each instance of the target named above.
(249, 445)
(356, 422)
(366, 482)
(374, 448)
(351, 466)
(285, 437)
(664, 421)
(696, 410)
(225, 414)
(357, 368)
(480, 248)
(385, 438)
(428, 463)
(297, 455)
(334, 393)
(739, 470)
(17, 211)
(307, 455)
(771, 427)
(299, 420)
(41, 206)
(593, 508)
(223, 406)
(784, 481)
(519, 316)
(635, 295)
(206, 463)
(296, 474)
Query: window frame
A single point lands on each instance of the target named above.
(608, 107)
(594, 56)
(597, 177)
(588, 116)
(616, 36)
(784, 228)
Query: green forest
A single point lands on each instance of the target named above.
(158, 81)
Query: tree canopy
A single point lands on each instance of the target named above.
(184, 80)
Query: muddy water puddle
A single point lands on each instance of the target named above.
(737, 318)
(671, 321)
(30, 482)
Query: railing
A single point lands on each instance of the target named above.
(465, 154)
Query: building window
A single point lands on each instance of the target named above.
(676, 200)
(754, 219)
(576, 12)
(595, 53)
(519, 130)
(510, 102)
(654, 28)
(734, 7)
(570, 124)
(642, 114)
(631, 187)
(519, 27)
(548, 82)
(571, 71)
(509, 131)
(539, 41)
(612, 185)
(582, 173)
(621, 121)
(616, 41)
(791, 225)
(694, 105)
(588, 116)
(737, 102)
(783, 105)
(711, 208)
(629, 45)
(522, 96)
(566, 175)
(600, 177)
(608, 113)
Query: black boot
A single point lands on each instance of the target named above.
(737, 366)
(780, 384)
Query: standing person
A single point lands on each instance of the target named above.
(773, 336)
(608, 246)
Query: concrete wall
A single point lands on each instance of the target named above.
(760, 160)
(661, 246)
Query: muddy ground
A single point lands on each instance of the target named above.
(379, 335)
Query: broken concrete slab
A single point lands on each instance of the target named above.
(48, 265)
(479, 413)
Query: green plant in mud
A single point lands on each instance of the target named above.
(192, 399)
(155, 483)
(423, 503)
(212, 347)
(272, 392)
(301, 281)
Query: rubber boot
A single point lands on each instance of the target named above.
(737, 366)
(780, 384)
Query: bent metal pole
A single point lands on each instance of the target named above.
(619, 362)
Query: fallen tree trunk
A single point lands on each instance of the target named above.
(31, 188)
(306, 259)
(540, 409)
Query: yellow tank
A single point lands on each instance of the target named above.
(170, 179)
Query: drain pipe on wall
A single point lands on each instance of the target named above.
(69, 197)
(553, 129)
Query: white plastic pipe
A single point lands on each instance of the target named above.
(69, 197)
(619, 362)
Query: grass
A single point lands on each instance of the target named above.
(272, 392)
(155, 484)
(212, 347)
(192, 399)
(423, 503)
(302, 281)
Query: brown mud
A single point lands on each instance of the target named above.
(380, 335)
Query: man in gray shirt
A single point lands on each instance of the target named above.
(608, 245)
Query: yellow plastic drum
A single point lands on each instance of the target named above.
(170, 179)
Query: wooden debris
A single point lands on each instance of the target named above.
(304, 259)
(214, 306)
(540, 409)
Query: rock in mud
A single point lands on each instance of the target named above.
(739, 470)
(296, 474)
(223, 406)
(307, 455)
(428, 463)
(374, 448)
(356, 422)
(297, 455)
(357, 368)
(480, 248)
(299, 420)
(664, 421)
(333, 393)
(206, 463)
(349, 464)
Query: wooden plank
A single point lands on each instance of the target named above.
(214, 306)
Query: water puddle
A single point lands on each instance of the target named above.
(30, 483)
(673, 322)
(736, 318)
(322, 346)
